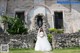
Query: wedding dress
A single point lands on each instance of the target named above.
(42, 43)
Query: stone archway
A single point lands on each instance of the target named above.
(33, 12)
(39, 5)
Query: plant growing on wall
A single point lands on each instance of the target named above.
(15, 25)
(51, 30)
(55, 30)
(50, 38)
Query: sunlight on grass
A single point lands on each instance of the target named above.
(67, 50)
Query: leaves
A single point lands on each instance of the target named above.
(15, 25)
(50, 37)
(56, 30)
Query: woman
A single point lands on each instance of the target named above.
(42, 43)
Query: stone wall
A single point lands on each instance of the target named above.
(71, 13)
(26, 5)
(66, 40)
(28, 40)
(3, 5)
(19, 41)
(4, 38)
(18, 5)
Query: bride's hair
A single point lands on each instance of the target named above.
(41, 30)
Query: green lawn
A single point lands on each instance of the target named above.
(76, 50)
(73, 50)
(24, 51)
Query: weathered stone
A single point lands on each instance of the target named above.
(66, 40)
(71, 13)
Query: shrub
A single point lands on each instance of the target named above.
(52, 30)
(50, 37)
(60, 31)
(56, 30)
(15, 25)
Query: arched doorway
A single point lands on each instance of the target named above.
(35, 20)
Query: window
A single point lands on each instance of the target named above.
(20, 15)
(58, 20)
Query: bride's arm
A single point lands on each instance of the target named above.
(44, 34)
(38, 30)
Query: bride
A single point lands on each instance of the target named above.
(42, 43)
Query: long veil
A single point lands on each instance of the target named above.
(38, 32)
(45, 33)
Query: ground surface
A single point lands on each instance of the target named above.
(69, 50)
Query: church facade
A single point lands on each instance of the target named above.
(50, 13)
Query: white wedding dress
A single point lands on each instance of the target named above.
(42, 43)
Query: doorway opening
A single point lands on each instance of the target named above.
(39, 20)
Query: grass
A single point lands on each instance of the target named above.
(69, 50)
(66, 50)
(24, 51)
